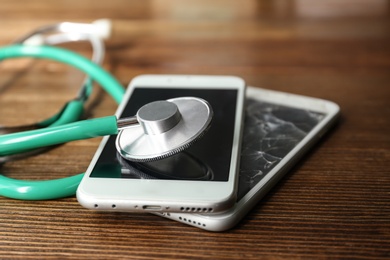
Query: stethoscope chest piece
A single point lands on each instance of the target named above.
(165, 128)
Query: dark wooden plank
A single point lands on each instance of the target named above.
(334, 204)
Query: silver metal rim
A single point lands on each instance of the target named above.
(134, 145)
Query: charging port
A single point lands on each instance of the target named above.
(151, 207)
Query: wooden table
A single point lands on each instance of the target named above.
(334, 204)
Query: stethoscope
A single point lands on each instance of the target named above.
(159, 129)
(58, 34)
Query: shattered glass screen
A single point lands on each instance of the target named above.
(271, 131)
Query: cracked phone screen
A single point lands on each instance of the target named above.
(271, 131)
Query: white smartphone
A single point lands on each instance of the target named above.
(202, 178)
(279, 129)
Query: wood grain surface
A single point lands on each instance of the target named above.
(334, 204)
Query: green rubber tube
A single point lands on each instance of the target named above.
(108, 82)
(71, 112)
(58, 188)
(39, 190)
(17, 142)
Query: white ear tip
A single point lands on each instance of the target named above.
(35, 40)
(103, 28)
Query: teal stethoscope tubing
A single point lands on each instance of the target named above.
(108, 82)
(58, 188)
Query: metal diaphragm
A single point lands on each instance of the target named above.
(165, 128)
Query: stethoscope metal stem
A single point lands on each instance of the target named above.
(163, 132)
(155, 118)
(126, 122)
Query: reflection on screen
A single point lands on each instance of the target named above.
(208, 159)
(270, 133)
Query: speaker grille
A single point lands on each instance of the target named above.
(195, 223)
(199, 210)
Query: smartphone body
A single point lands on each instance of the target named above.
(203, 178)
(279, 129)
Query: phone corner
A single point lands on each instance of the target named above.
(238, 81)
(82, 198)
(334, 107)
(226, 203)
(138, 78)
(218, 222)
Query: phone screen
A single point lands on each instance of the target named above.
(270, 132)
(207, 159)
